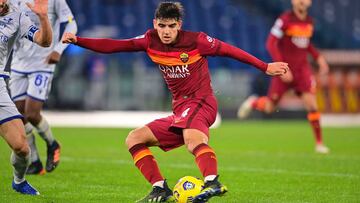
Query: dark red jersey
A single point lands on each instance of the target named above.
(183, 63)
(289, 41)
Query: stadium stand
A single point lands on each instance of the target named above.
(243, 23)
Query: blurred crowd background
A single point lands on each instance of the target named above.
(85, 80)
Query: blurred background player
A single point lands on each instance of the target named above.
(32, 71)
(181, 58)
(289, 41)
(16, 25)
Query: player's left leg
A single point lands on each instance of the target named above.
(35, 166)
(196, 142)
(18, 85)
(14, 134)
(37, 93)
(314, 120)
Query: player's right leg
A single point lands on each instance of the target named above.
(37, 93)
(12, 130)
(263, 104)
(266, 104)
(32, 114)
(137, 142)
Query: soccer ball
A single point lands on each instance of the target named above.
(187, 188)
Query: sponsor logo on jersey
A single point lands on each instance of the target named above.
(7, 20)
(4, 39)
(301, 42)
(211, 41)
(184, 57)
(300, 34)
(180, 71)
(4, 22)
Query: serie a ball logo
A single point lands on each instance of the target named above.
(187, 188)
(188, 185)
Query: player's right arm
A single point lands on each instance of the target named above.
(67, 23)
(276, 34)
(107, 46)
(42, 36)
(272, 45)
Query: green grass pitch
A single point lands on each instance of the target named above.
(270, 161)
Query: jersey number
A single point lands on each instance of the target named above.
(41, 80)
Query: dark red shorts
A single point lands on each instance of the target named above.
(191, 113)
(304, 81)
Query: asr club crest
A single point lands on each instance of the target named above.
(184, 57)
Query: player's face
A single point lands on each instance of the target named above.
(167, 29)
(301, 5)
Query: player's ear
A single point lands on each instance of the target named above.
(180, 22)
(154, 23)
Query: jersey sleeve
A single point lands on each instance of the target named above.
(108, 46)
(276, 33)
(313, 51)
(279, 26)
(207, 45)
(26, 27)
(67, 23)
(63, 11)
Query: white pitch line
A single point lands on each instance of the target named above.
(302, 155)
(223, 168)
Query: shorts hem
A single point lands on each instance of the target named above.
(4, 76)
(37, 99)
(175, 127)
(11, 118)
(31, 72)
(163, 147)
(16, 98)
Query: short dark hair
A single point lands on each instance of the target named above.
(169, 10)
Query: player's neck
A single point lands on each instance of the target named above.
(301, 14)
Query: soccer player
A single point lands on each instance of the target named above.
(181, 58)
(15, 25)
(289, 41)
(32, 71)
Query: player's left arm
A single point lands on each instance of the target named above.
(213, 47)
(42, 36)
(320, 59)
(275, 68)
(67, 24)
